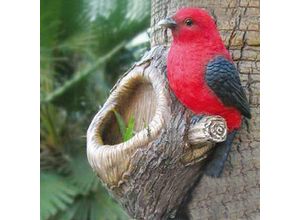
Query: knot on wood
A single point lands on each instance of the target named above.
(209, 128)
(202, 137)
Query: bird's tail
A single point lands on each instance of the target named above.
(216, 164)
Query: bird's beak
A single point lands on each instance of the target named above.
(168, 23)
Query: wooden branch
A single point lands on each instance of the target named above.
(151, 173)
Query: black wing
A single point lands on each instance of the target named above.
(223, 78)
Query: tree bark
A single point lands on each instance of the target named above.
(235, 195)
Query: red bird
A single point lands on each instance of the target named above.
(203, 77)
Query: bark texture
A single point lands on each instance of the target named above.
(236, 194)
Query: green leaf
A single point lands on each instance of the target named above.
(56, 194)
(129, 132)
(104, 207)
(94, 206)
(81, 75)
(61, 19)
(121, 123)
(82, 175)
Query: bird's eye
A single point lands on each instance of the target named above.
(188, 22)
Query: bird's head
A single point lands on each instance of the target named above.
(191, 25)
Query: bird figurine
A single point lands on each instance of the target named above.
(202, 75)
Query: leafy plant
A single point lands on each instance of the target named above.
(57, 193)
(85, 46)
(127, 132)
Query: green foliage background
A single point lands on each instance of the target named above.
(85, 46)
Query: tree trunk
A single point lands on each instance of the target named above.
(236, 194)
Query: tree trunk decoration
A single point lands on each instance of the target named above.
(157, 174)
(236, 194)
(151, 173)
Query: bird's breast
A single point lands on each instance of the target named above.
(186, 67)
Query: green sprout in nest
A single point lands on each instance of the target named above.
(127, 131)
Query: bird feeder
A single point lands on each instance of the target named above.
(150, 174)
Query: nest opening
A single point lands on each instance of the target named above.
(138, 99)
